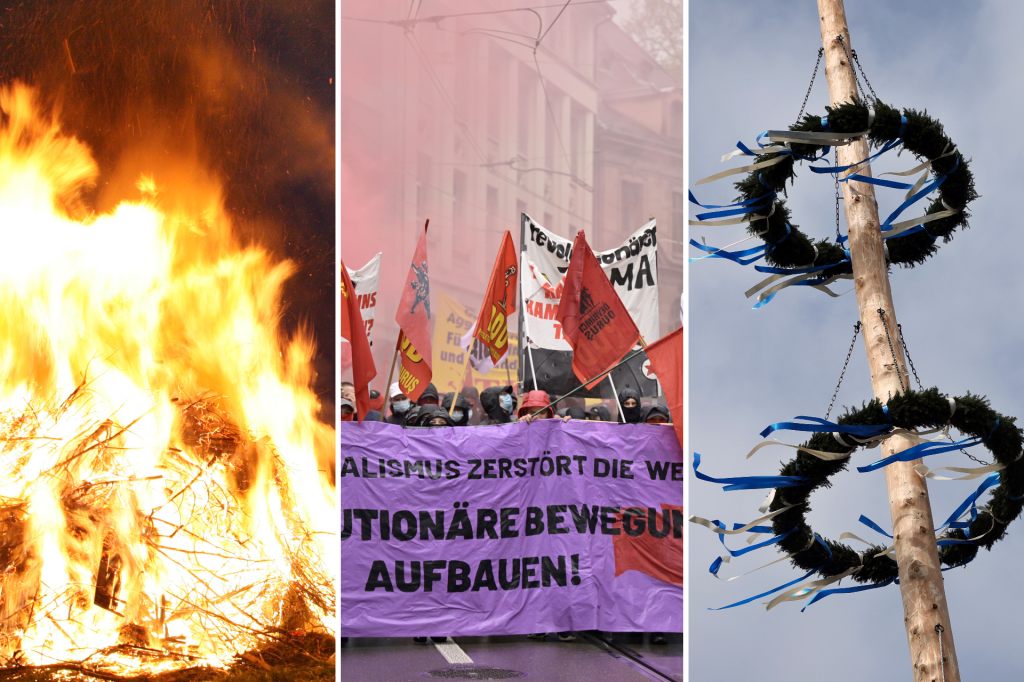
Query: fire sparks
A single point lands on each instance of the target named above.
(165, 484)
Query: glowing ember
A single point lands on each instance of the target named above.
(165, 483)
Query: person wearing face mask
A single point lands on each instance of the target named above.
(462, 412)
(498, 404)
(400, 405)
(599, 413)
(348, 410)
(629, 406)
(429, 396)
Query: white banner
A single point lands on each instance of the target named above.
(632, 269)
(366, 282)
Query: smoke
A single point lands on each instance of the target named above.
(447, 115)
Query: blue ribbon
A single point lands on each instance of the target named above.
(913, 199)
(846, 590)
(742, 210)
(747, 202)
(775, 539)
(893, 184)
(805, 576)
(745, 257)
(970, 503)
(817, 539)
(919, 451)
(839, 169)
(749, 482)
(818, 425)
(873, 526)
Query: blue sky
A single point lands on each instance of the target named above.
(749, 65)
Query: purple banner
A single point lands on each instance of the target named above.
(510, 529)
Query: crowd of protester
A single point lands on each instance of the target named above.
(494, 405)
(498, 405)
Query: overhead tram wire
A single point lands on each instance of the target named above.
(445, 95)
(541, 34)
(409, 30)
(554, 21)
(441, 17)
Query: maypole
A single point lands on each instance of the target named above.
(926, 614)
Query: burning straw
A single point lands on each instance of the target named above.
(117, 550)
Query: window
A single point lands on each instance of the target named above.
(631, 203)
(678, 215)
(578, 142)
(461, 247)
(494, 218)
(526, 103)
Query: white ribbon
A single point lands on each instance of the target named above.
(969, 472)
(742, 169)
(718, 530)
(822, 139)
(810, 588)
(770, 149)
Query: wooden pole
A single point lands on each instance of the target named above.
(925, 612)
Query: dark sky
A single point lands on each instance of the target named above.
(246, 89)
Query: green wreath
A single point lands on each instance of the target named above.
(913, 410)
(788, 247)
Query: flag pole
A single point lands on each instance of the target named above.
(394, 358)
(925, 611)
(589, 381)
(522, 313)
(615, 392)
(462, 377)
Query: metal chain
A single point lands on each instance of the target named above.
(842, 374)
(920, 386)
(910, 360)
(814, 74)
(849, 58)
(895, 362)
(835, 176)
(942, 656)
(856, 61)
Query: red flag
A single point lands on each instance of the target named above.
(414, 371)
(499, 302)
(659, 557)
(413, 318)
(666, 356)
(353, 330)
(594, 321)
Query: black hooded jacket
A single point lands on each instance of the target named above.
(492, 407)
(631, 415)
(657, 409)
(461, 404)
(428, 412)
(429, 392)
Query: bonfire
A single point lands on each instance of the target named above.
(166, 487)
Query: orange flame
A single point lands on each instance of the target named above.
(164, 479)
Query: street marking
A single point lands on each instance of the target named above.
(452, 652)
